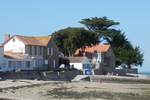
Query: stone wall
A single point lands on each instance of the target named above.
(55, 76)
(103, 78)
(61, 76)
(123, 72)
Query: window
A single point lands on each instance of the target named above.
(54, 65)
(51, 51)
(10, 64)
(46, 62)
(30, 50)
(99, 57)
(35, 50)
(18, 64)
(28, 64)
(40, 50)
(48, 51)
(39, 63)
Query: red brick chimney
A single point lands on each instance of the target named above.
(6, 37)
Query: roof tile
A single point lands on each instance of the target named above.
(38, 41)
(92, 49)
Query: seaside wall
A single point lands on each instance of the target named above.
(56, 76)
(61, 76)
(102, 78)
(123, 72)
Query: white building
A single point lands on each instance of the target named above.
(81, 63)
(102, 58)
(29, 53)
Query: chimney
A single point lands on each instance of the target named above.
(6, 37)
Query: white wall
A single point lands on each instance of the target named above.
(2, 60)
(78, 66)
(15, 46)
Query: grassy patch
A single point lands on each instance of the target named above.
(147, 93)
(129, 96)
(64, 93)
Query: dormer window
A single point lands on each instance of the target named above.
(13, 39)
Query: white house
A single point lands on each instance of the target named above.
(30, 53)
(3, 61)
(1, 55)
(101, 56)
(81, 63)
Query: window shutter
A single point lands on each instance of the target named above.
(47, 51)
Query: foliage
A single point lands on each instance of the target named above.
(70, 39)
(119, 40)
(130, 57)
(63, 60)
(102, 26)
(123, 49)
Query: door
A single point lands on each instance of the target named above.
(87, 69)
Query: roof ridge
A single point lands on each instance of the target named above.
(32, 36)
(32, 40)
(35, 40)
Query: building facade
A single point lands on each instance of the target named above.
(81, 63)
(101, 56)
(31, 53)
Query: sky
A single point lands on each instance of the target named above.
(43, 17)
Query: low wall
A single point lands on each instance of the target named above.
(57, 76)
(132, 71)
(61, 76)
(20, 75)
(102, 78)
(123, 72)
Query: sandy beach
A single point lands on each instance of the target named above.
(48, 90)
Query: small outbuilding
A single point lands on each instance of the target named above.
(81, 63)
(101, 56)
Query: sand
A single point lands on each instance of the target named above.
(38, 90)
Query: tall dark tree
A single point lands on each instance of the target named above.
(123, 49)
(130, 57)
(118, 39)
(70, 39)
(102, 26)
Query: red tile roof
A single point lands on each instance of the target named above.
(76, 59)
(32, 40)
(38, 41)
(92, 49)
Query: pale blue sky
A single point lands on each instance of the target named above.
(42, 17)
